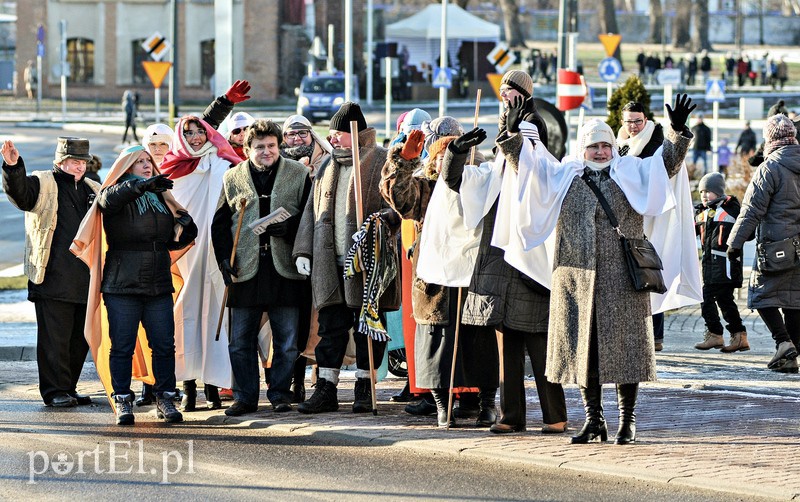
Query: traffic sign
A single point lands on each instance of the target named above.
(610, 42)
(501, 57)
(156, 46)
(671, 76)
(715, 90)
(40, 34)
(443, 77)
(156, 70)
(570, 91)
(610, 69)
(495, 79)
(40, 49)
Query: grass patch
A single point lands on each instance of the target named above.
(19, 282)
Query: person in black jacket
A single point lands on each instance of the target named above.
(713, 222)
(702, 143)
(747, 141)
(141, 230)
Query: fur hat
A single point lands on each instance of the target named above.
(69, 147)
(595, 131)
(296, 123)
(779, 107)
(520, 81)
(712, 182)
(348, 112)
(778, 131)
(157, 133)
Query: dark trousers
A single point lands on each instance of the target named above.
(658, 327)
(720, 295)
(61, 347)
(130, 123)
(335, 322)
(512, 379)
(303, 330)
(783, 328)
(125, 312)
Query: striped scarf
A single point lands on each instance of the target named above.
(374, 254)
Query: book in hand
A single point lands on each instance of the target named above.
(276, 216)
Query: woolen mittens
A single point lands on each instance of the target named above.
(412, 148)
(238, 91)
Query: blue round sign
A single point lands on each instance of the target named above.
(610, 69)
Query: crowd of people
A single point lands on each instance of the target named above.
(233, 243)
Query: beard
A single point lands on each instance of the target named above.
(298, 152)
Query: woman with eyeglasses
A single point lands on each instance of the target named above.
(303, 144)
(196, 162)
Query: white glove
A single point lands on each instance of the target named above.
(303, 265)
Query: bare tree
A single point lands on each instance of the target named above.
(700, 37)
(656, 22)
(681, 38)
(514, 35)
(608, 22)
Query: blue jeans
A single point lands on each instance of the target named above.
(700, 154)
(125, 312)
(243, 350)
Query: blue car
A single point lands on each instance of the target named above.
(320, 96)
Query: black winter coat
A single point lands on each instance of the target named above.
(656, 140)
(714, 225)
(702, 137)
(138, 260)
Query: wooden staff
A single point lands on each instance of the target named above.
(458, 307)
(360, 221)
(242, 204)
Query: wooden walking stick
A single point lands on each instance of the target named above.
(360, 221)
(242, 204)
(458, 307)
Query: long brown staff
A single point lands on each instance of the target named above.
(360, 220)
(242, 204)
(458, 307)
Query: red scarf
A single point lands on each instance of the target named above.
(182, 160)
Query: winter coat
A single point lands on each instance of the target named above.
(590, 284)
(138, 261)
(64, 278)
(702, 137)
(771, 212)
(747, 141)
(315, 236)
(714, 224)
(656, 140)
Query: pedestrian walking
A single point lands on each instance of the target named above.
(747, 141)
(702, 143)
(130, 103)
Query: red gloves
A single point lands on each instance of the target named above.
(412, 148)
(238, 91)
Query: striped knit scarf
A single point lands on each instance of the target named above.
(374, 254)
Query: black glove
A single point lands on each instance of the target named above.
(516, 111)
(734, 254)
(156, 184)
(680, 114)
(228, 272)
(278, 229)
(466, 141)
(184, 219)
(390, 217)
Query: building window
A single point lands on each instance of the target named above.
(80, 56)
(138, 74)
(206, 61)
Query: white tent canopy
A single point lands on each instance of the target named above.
(421, 33)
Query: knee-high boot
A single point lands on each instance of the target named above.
(595, 425)
(626, 400)
(487, 415)
(213, 402)
(189, 400)
(441, 397)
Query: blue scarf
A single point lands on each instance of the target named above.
(147, 199)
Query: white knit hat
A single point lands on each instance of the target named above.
(239, 120)
(595, 131)
(296, 122)
(157, 133)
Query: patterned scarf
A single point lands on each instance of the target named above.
(298, 152)
(148, 199)
(373, 254)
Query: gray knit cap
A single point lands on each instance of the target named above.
(712, 182)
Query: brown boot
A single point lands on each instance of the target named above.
(738, 342)
(711, 341)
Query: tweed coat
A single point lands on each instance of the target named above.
(590, 284)
(315, 235)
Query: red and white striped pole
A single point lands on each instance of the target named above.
(570, 91)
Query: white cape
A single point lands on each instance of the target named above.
(197, 308)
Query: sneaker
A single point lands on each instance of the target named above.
(239, 408)
(786, 350)
(226, 394)
(165, 407)
(124, 405)
(790, 366)
(324, 399)
(710, 341)
(362, 402)
(738, 343)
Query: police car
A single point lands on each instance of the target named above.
(320, 96)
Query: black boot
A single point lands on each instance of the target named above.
(189, 400)
(468, 405)
(148, 397)
(362, 401)
(595, 425)
(440, 397)
(424, 407)
(213, 402)
(298, 391)
(626, 400)
(487, 415)
(323, 399)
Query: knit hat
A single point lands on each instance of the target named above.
(348, 112)
(519, 80)
(439, 128)
(296, 123)
(712, 182)
(779, 107)
(595, 131)
(435, 149)
(240, 120)
(414, 120)
(778, 131)
(157, 133)
(69, 147)
(399, 122)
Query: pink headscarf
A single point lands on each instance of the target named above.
(182, 160)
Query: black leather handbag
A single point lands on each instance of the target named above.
(643, 263)
(779, 256)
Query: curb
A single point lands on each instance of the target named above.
(25, 353)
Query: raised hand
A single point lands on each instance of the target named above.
(680, 114)
(10, 153)
(238, 91)
(516, 110)
(156, 184)
(463, 143)
(412, 148)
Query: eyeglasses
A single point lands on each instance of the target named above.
(191, 134)
(636, 122)
(238, 130)
(296, 134)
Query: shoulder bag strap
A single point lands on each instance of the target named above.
(603, 202)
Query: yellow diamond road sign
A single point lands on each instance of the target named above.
(610, 42)
(501, 57)
(156, 46)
